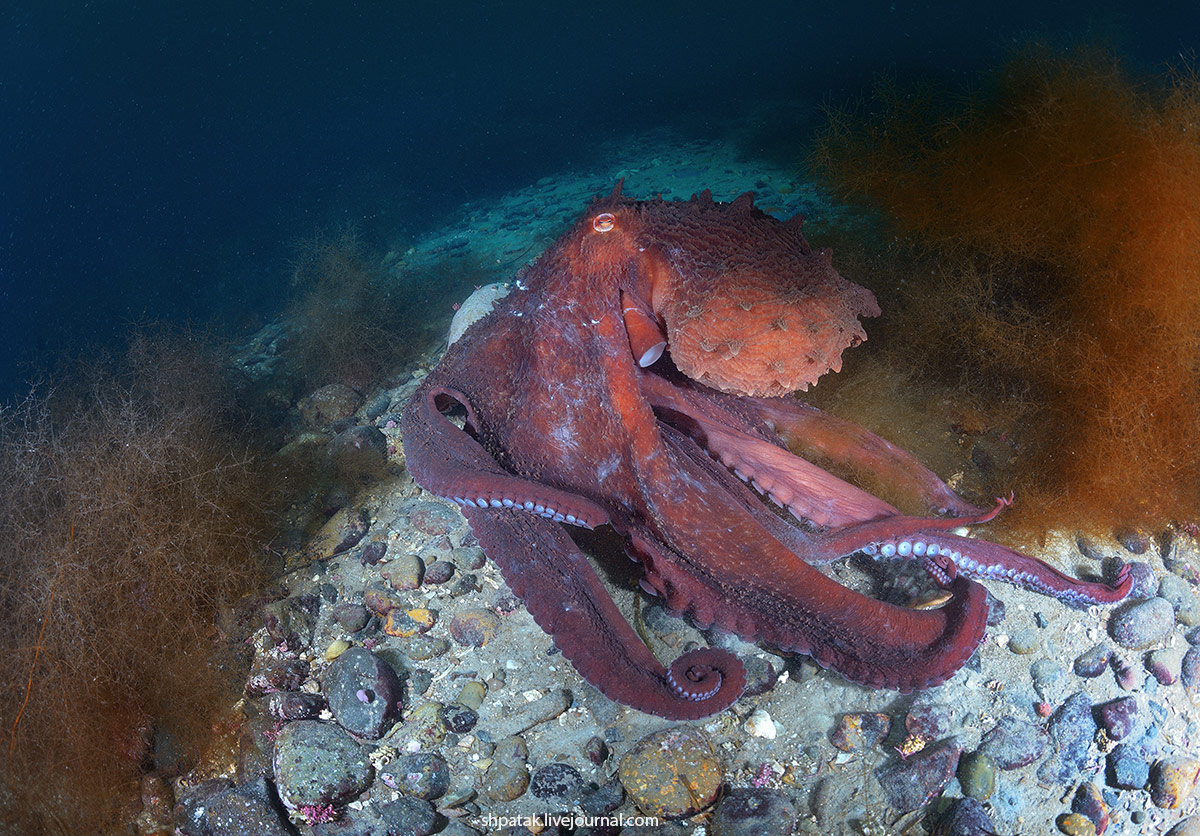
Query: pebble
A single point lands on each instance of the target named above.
(1013, 743)
(1182, 596)
(422, 774)
(319, 764)
(754, 812)
(1143, 581)
(295, 705)
(1091, 663)
(469, 559)
(328, 405)
(558, 783)
(760, 724)
(472, 694)
(1189, 674)
(977, 775)
(539, 711)
(1181, 555)
(1187, 827)
(1142, 624)
(439, 572)
(672, 773)
(340, 533)
(860, 731)
(1172, 781)
(335, 649)
(434, 518)
(474, 627)
(458, 718)
(1025, 641)
(1048, 679)
(290, 621)
(270, 673)
(220, 808)
(359, 454)
(1118, 717)
(351, 617)
(1071, 731)
(405, 623)
(913, 782)
(508, 776)
(1075, 824)
(373, 552)
(1089, 802)
(423, 648)
(380, 601)
(965, 817)
(404, 573)
(929, 719)
(1127, 767)
(1165, 663)
(1133, 540)
(421, 731)
(363, 692)
(1127, 677)
(761, 676)
(601, 800)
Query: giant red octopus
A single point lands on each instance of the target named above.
(639, 377)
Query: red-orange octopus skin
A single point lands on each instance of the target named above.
(630, 381)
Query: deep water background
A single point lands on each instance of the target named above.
(159, 160)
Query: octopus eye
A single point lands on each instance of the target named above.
(604, 222)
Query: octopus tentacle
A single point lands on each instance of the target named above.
(807, 428)
(560, 589)
(450, 463)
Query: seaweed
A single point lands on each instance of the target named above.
(1045, 268)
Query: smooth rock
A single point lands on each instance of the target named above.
(1189, 674)
(421, 731)
(1183, 598)
(559, 784)
(422, 774)
(1165, 664)
(474, 627)
(673, 773)
(287, 706)
(363, 692)
(1118, 717)
(351, 617)
(539, 711)
(1071, 731)
(341, 532)
(372, 553)
(1142, 624)
(1013, 743)
(221, 808)
(965, 817)
(1025, 641)
(1172, 781)
(1127, 767)
(860, 731)
(290, 622)
(319, 764)
(472, 694)
(359, 454)
(1089, 802)
(406, 572)
(1092, 663)
(912, 783)
(754, 812)
(328, 405)
(1075, 824)
(435, 518)
(977, 775)
(1188, 827)
(458, 718)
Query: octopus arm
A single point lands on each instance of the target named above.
(542, 566)
(451, 463)
(807, 428)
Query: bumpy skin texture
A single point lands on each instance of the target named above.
(564, 426)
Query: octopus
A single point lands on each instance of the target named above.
(641, 376)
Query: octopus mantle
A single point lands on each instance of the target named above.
(633, 379)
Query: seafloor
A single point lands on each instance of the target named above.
(1051, 712)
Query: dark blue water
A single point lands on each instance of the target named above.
(159, 160)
